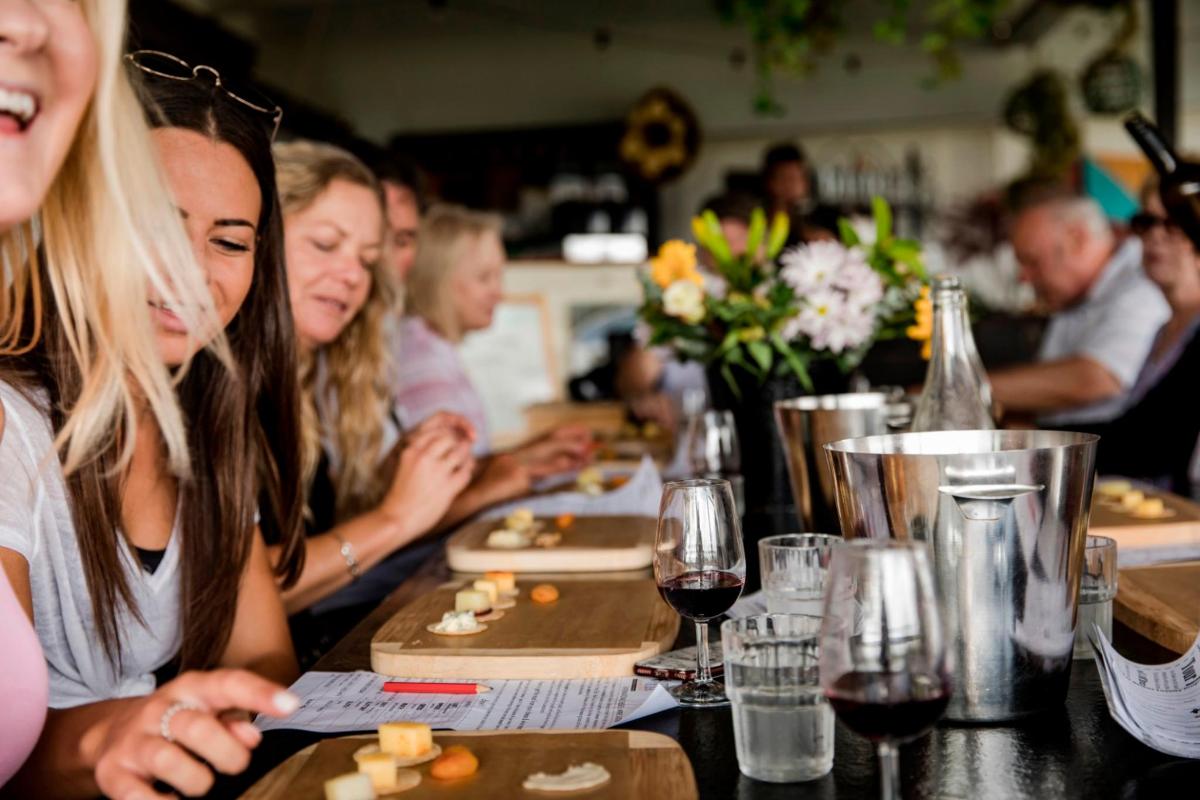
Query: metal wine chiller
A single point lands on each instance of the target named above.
(1005, 514)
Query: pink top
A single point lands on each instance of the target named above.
(430, 377)
(23, 689)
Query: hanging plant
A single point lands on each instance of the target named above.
(1112, 83)
(1038, 109)
(791, 35)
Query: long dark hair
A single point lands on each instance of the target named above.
(243, 425)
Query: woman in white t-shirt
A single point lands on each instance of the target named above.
(129, 570)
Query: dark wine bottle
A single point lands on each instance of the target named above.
(1179, 180)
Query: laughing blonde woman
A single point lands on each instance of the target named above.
(80, 193)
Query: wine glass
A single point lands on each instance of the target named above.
(713, 450)
(700, 568)
(884, 663)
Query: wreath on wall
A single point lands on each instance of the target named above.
(662, 136)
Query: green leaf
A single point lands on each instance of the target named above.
(754, 237)
(847, 232)
(794, 361)
(761, 352)
(883, 219)
(727, 374)
(717, 245)
(777, 238)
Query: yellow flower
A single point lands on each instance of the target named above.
(684, 300)
(922, 331)
(676, 261)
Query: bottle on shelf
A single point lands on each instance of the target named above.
(957, 394)
(1179, 180)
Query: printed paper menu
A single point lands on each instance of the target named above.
(343, 702)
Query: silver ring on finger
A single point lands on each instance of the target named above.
(164, 723)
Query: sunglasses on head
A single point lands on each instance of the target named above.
(165, 65)
(1144, 222)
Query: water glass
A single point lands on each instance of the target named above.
(782, 723)
(1097, 588)
(793, 569)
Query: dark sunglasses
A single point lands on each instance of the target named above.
(165, 65)
(1143, 222)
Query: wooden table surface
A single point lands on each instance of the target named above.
(1161, 602)
(1072, 751)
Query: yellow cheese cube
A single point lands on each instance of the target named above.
(1131, 500)
(405, 739)
(381, 767)
(505, 581)
(351, 786)
(1150, 507)
(490, 589)
(1114, 489)
(472, 600)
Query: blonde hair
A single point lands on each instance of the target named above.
(355, 366)
(107, 226)
(446, 233)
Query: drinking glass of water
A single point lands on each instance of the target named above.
(793, 569)
(782, 723)
(1097, 588)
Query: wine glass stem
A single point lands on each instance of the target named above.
(889, 771)
(703, 671)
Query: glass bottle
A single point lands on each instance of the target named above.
(957, 395)
(1179, 180)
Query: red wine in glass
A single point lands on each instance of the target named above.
(889, 706)
(702, 595)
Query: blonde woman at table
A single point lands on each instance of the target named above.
(453, 288)
(126, 568)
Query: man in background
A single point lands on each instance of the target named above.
(405, 201)
(787, 186)
(1105, 315)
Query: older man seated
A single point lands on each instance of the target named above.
(1106, 314)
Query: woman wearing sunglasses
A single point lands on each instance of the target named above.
(132, 572)
(1155, 438)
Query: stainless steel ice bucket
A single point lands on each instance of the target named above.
(1006, 516)
(806, 424)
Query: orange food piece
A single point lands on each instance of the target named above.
(455, 761)
(543, 593)
(617, 481)
(563, 521)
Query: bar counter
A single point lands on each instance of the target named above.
(1076, 751)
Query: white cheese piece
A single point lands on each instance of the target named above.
(577, 778)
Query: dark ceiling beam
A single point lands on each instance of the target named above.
(1164, 33)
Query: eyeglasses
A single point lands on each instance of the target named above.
(1144, 222)
(165, 65)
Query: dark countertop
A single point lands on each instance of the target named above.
(1075, 751)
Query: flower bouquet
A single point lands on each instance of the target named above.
(767, 312)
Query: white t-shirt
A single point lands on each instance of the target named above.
(35, 521)
(1116, 325)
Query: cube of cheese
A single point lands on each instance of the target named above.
(405, 739)
(505, 581)
(351, 786)
(472, 600)
(1150, 507)
(381, 767)
(1131, 500)
(489, 588)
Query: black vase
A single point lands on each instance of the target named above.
(770, 508)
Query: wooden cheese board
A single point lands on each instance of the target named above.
(589, 544)
(1161, 602)
(596, 629)
(1178, 531)
(641, 764)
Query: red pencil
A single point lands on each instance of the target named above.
(435, 688)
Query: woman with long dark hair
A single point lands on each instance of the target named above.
(168, 573)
